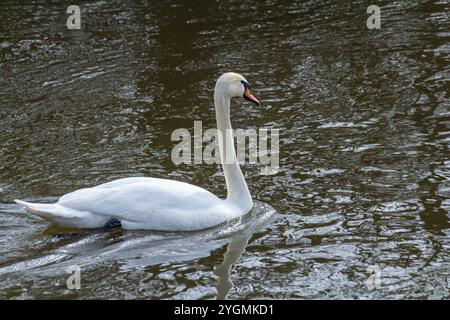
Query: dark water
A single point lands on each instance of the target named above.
(364, 147)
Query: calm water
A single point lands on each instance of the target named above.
(364, 147)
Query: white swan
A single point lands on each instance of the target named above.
(161, 204)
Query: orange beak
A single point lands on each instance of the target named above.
(248, 96)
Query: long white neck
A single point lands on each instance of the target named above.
(237, 190)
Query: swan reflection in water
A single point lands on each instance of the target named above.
(235, 249)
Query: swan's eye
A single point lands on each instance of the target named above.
(246, 85)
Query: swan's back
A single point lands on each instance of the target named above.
(151, 203)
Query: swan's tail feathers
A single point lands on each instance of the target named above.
(46, 210)
(63, 216)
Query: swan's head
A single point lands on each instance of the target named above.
(234, 85)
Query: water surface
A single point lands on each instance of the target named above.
(364, 147)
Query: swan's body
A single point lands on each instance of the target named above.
(162, 204)
(138, 203)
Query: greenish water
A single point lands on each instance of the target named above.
(364, 146)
